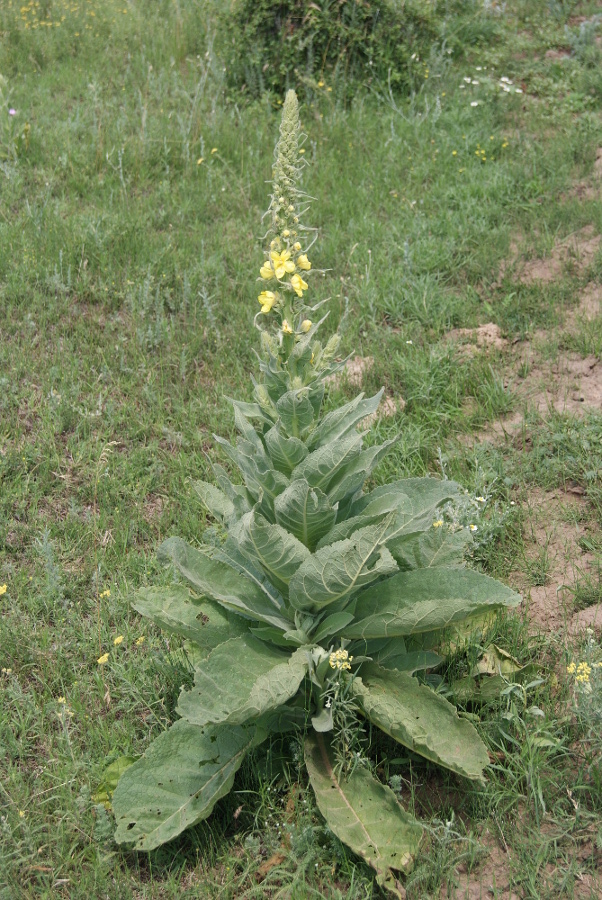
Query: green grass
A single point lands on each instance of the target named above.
(127, 285)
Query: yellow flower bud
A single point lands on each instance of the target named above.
(305, 325)
(286, 233)
(286, 328)
(303, 262)
(297, 246)
(298, 285)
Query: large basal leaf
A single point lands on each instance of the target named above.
(321, 466)
(240, 680)
(424, 600)
(305, 512)
(423, 492)
(178, 781)
(203, 622)
(364, 814)
(219, 505)
(296, 411)
(336, 571)
(338, 423)
(285, 453)
(420, 720)
(391, 653)
(277, 551)
(434, 548)
(219, 582)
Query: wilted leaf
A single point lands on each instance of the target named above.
(178, 781)
(240, 680)
(110, 777)
(364, 814)
(420, 719)
(425, 599)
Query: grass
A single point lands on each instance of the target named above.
(127, 271)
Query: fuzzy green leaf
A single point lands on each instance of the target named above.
(323, 465)
(219, 505)
(420, 720)
(285, 453)
(204, 623)
(178, 781)
(364, 814)
(354, 475)
(296, 411)
(424, 600)
(331, 625)
(374, 512)
(277, 551)
(391, 653)
(240, 680)
(338, 423)
(305, 512)
(219, 582)
(433, 548)
(336, 571)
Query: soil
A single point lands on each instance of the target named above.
(485, 337)
(576, 252)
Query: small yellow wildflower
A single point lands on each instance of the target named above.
(303, 262)
(282, 263)
(473, 527)
(6, 671)
(454, 152)
(118, 640)
(214, 150)
(341, 660)
(106, 593)
(61, 700)
(298, 285)
(305, 325)
(438, 523)
(267, 300)
(21, 813)
(3, 589)
(200, 160)
(320, 84)
(571, 668)
(286, 328)
(103, 659)
(266, 272)
(140, 641)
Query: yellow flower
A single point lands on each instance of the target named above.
(199, 161)
(140, 640)
(473, 527)
(286, 328)
(282, 263)
(3, 589)
(298, 285)
(6, 671)
(266, 271)
(286, 232)
(21, 814)
(267, 300)
(214, 150)
(103, 659)
(303, 262)
(571, 668)
(340, 659)
(438, 523)
(106, 593)
(305, 325)
(118, 640)
(61, 700)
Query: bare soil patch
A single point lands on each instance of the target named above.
(485, 337)
(575, 253)
(490, 878)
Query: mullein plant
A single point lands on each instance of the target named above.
(320, 607)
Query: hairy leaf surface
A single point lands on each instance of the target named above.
(336, 571)
(279, 553)
(204, 622)
(304, 511)
(219, 505)
(433, 548)
(285, 453)
(240, 680)
(364, 814)
(420, 720)
(321, 466)
(338, 423)
(178, 781)
(423, 600)
(218, 581)
(296, 411)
